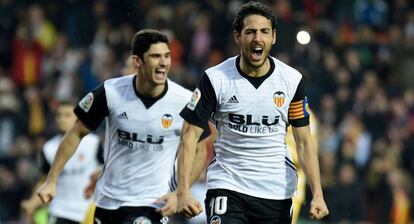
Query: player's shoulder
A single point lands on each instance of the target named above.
(286, 70)
(178, 90)
(119, 82)
(224, 68)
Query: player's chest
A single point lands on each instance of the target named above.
(271, 98)
(135, 117)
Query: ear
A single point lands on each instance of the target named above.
(137, 60)
(237, 38)
(274, 37)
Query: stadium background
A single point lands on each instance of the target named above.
(358, 67)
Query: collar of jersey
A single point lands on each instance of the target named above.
(148, 101)
(256, 81)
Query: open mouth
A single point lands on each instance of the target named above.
(160, 74)
(257, 53)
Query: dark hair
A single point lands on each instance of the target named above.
(144, 38)
(253, 8)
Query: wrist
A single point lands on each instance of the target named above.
(317, 194)
(51, 178)
(183, 192)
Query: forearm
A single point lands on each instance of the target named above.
(309, 163)
(34, 200)
(199, 162)
(186, 157)
(65, 151)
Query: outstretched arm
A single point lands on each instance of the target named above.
(67, 148)
(308, 160)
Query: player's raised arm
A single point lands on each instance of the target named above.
(67, 148)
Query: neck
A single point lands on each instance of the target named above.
(148, 89)
(254, 71)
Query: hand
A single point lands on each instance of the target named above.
(318, 209)
(90, 188)
(47, 191)
(169, 204)
(188, 206)
(28, 208)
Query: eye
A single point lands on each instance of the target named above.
(248, 32)
(266, 31)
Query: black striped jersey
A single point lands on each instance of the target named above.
(251, 116)
(141, 140)
(69, 202)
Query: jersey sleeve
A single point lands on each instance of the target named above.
(93, 108)
(298, 108)
(202, 104)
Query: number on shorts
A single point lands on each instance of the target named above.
(218, 205)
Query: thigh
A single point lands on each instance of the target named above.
(265, 211)
(133, 215)
(224, 207)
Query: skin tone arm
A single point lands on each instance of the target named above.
(170, 200)
(308, 160)
(67, 148)
(187, 205)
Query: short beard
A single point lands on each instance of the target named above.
(247, 62)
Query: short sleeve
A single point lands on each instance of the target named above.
(93, 108)
(202, 104)
(298, 108)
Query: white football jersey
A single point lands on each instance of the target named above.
(141, 141)
(69, 201)
(251, 116)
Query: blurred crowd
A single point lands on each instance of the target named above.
(358, 68)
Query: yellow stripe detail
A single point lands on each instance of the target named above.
(295, 110)
(297, 103)
(296, 114)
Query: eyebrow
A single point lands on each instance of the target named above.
(255, 29)
(155, 54)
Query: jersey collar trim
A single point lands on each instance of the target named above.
(148, 101)
(256, 81)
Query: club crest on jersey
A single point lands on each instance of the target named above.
(166, 120)
(142, 220)
(86, 103)
(279, 98)
(194, 99)
(215, 220)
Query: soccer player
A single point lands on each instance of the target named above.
(69, 205)
(253, 98)
(143, 127)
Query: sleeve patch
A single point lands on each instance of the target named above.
(194, 99)
(86, 103)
